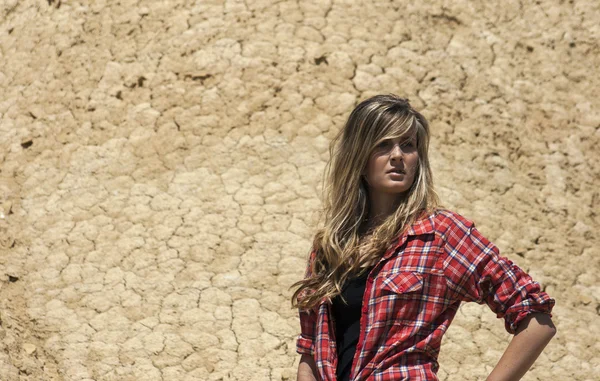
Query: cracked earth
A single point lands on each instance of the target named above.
(160, 170)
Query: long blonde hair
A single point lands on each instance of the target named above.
(338, 249)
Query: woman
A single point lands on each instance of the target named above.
(389, 269)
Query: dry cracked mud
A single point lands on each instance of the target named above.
(161, 165)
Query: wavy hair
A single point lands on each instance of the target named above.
(339, 251)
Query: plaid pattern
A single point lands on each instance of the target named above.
(412, 295)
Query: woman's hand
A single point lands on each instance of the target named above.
(533, 334)
(307, 369)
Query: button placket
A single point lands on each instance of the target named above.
(365, 307)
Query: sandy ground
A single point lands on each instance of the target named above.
(161, 160)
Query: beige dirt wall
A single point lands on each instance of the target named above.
(160, 166)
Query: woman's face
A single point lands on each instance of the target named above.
(392, 166)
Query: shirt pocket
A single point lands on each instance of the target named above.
(403, 282)
(410, 298)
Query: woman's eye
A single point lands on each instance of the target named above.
(384, 144)
(408, 144)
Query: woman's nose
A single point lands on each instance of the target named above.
(396, 153)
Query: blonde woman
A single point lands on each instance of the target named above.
(389, 269)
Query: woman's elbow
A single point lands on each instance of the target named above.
(307, 369)
(540, 323)
(545, 325)
(546, 321)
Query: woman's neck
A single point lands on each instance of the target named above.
(381, 206)
(378, 212)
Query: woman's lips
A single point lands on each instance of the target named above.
(398, 175)
(397, 171)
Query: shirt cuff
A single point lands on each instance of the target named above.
(512, 321)
(304, 345)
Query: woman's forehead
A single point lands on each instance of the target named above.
(400, 128)
(410, 134)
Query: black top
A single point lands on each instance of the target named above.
(347, 323)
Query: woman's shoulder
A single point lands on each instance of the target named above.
(443, 221)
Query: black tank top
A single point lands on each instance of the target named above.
(347, 323)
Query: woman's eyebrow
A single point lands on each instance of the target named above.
(412, 137)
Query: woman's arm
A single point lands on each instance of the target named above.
(533, 334)
(307, 369)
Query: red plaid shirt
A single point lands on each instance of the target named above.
(412, 295)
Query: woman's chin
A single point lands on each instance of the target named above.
(397, 188)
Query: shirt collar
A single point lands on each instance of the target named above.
(423, 225)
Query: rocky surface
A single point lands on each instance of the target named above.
(161, 164)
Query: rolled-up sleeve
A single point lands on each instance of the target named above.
(476, 272)
(305, 343)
